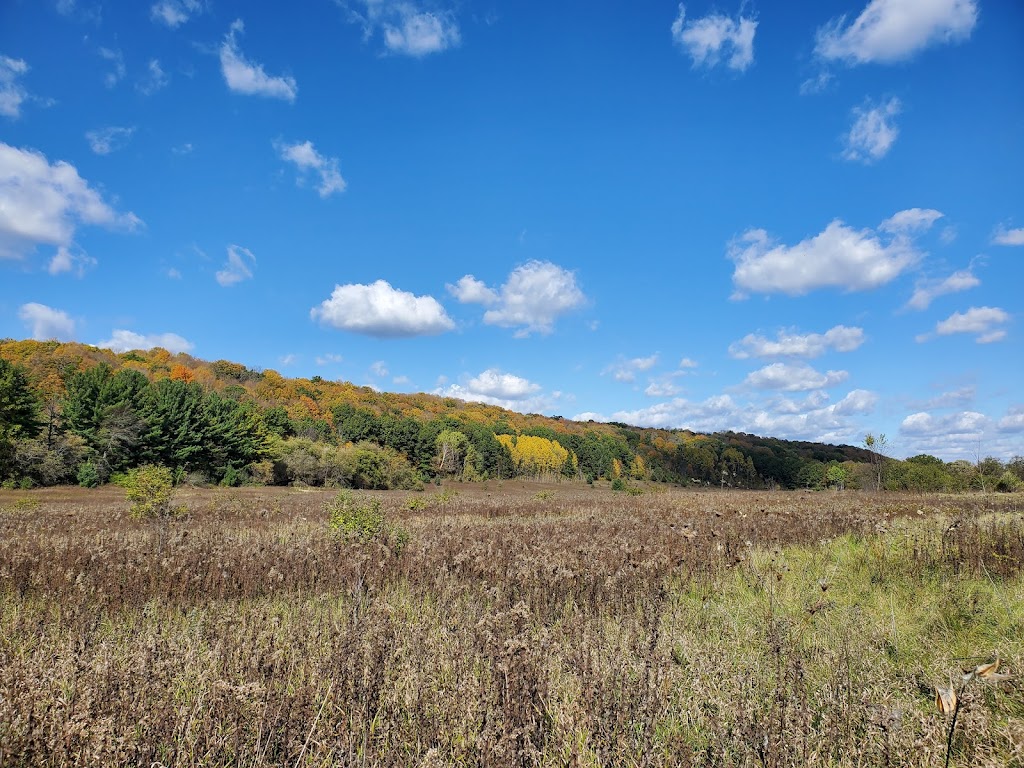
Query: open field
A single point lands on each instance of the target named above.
(521, 624)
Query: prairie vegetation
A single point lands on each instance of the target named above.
(509, 624)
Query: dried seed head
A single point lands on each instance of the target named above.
(945, 700)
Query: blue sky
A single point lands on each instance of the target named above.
(803, 220)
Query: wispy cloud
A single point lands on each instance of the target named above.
(709, 39)
(238, 267)
(117, 73)
(407, 29)
(873, 133)
(927, 291)
(244, 76)
(103, 141)
(12, 93)
(305, 157)
(986, 323)
(174, 13)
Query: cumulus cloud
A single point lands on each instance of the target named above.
(12, 94)
(926, 291)
(305, 157)
(841, 338)
(407, 29)
(506, 390)
(382, 311)
(838, 257)
(887, 31)
(709, 39)
(174, 13)
(117, 72)
(103, 141)
(535, 295)
(154, 80)
(873, 133)
(970, 423)
(815, 418)
(982, 321)
(469, 290)
(1004, 236)
(43, 203)
(238, 267)
(244, 76)
(125, 341)
(962, 434)
(793, 377)
(45, 323)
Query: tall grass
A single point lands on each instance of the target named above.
(579, 627)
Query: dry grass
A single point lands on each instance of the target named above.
(524, 624)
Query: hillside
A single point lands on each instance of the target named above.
(99, 413)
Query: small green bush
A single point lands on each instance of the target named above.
(358, 518)
(88, 476)
(149, 490)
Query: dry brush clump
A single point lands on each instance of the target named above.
(519, 624)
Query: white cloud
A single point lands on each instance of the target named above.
(983, 321)
(708, 38)
(925, 292)
(238, 266)
(626, 370)
(505, 386)
(124, 341)
(816, 84)
(953, 399)
(505, 390)
(688, 363)
(12, 94)
(910, 221)
(873, 133)
(289, 359)
(306, 158)
(533, 297)
(1005, 236)
(174, 13)
(116, 59)
(964, 423)
(839, 257)
(329, 359)
(244, 76)
(42, 203)
(47, 323)
(841, 338)
(103, 141)
(663, 386)
(379, 368)
(793, 377)
(154, 80)
(469, 290)
(65, 260)
(887, 31)
(812, 419)
(382, 311)
(407, 29)
(1013, 421)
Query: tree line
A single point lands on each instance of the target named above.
(76, 414)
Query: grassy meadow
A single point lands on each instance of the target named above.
(517, 624)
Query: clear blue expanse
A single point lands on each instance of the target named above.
(803, 220)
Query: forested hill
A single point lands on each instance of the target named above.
(75, 413)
